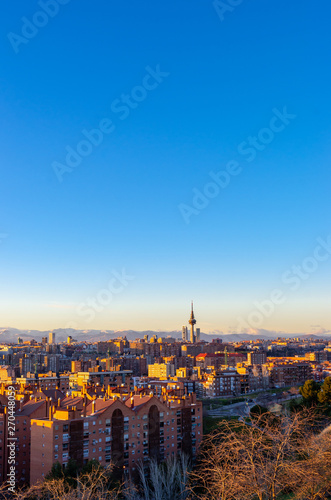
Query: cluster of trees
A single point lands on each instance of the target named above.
(267, 458)
(317, 394)
(166, 481)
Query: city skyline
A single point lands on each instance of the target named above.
(161, 153)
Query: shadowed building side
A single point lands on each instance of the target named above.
(117, 432)
(187, 432)
(154, 433)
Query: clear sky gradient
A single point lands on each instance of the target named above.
(222, 79)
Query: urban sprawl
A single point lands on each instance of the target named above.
(126, 402)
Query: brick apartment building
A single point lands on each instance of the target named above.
(288, 372)
(24, 413)
(257, 357)
(219, 383)
(124, 432)
(217, 360)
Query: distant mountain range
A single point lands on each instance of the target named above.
(9, 334)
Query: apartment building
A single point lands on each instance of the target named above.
(122, 431)
(161, 370)
(24, 413)
(110, 378)
(219, 383)
(256, 357)
(288, 372)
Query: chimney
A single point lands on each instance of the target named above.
(132, 402)
(93, 406)
(59, 402)
(50, 412)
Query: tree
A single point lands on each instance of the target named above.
(165, 481)
(56, 472)
(324, 396)
(309, 391)
(258, 410)
(315, 481)
(91, 466)
(89, 486)
(261, 459)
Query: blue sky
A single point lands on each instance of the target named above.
(122, 206)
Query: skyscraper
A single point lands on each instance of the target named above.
(184, 333)
(52, 338)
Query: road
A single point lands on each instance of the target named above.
(242, 409)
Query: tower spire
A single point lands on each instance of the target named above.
(192, 321)
(192, 313)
